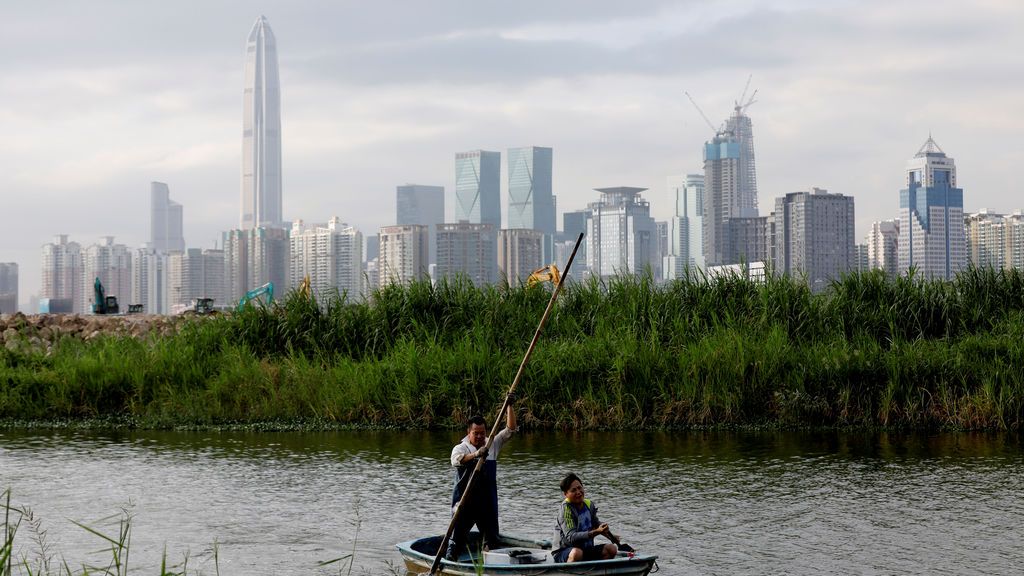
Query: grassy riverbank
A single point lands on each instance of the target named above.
(870, 352)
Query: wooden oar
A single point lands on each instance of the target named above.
(504, 406)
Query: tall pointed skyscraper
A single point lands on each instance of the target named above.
(261, 131)
(931, 224)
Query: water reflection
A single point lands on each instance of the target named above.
(706, 502)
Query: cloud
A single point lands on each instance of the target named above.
(101, 98)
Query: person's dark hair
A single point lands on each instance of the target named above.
(475, 420)
(568, 480)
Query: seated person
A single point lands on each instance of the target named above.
(578, 524)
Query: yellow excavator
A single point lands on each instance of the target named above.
(304, 288)
(544, 274)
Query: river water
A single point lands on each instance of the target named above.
(705, 502)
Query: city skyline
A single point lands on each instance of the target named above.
(842, 116)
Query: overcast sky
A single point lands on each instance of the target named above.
(99, 98)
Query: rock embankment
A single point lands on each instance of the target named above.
(39, 332)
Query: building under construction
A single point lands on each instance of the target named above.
(730, 182)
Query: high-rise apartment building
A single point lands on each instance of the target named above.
(1014, 238)
(112, 264)
(403, 254)
(861, 262)
(62, 275)
(686, 226)
(986, 239)
(812, 236)
(661, 244)
(261, 131)
(424, 205)
(621, 235)
(883, 251)
(520, 252)
(478, 187)
(165, 220)
(236, 264)
(8, 287)
(196, 273)
(995, 240)
(747, 239)
(467, 249)
(531, 204)
(931, 238)
(331, 255)
(149, 280)
(253, 258)
(371, 278)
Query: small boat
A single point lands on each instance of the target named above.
(517, 557)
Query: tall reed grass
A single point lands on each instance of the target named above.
(870, 351)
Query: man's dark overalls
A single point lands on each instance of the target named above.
(480, 509)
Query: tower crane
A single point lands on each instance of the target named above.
(743, 103)
(702, 114)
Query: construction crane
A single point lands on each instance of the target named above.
(742, 106)
(743, 103)
(702, 114)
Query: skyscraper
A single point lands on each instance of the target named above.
(530, 202)
(331, 255)
(730, 180)
(686, 226)
(520, 252)
(721, 196)
(261, 131)
(62, 274)
(812, 235)
(165, 220)
(423, 205)
(478, 187)
(469, 250)
(995, 240)
(112, 264)
(403, 254)
(621, 235)
(253, 258)
(196, 273)
(149, 280)
(882, 247)
(931, 217)
(8, 287)
(741, 128)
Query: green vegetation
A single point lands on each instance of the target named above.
(872, 351)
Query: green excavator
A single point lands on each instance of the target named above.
(265, 290)
(103, 304)
(107, 305)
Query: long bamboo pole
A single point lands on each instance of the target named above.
(504, 406)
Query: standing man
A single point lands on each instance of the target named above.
(481, 508)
